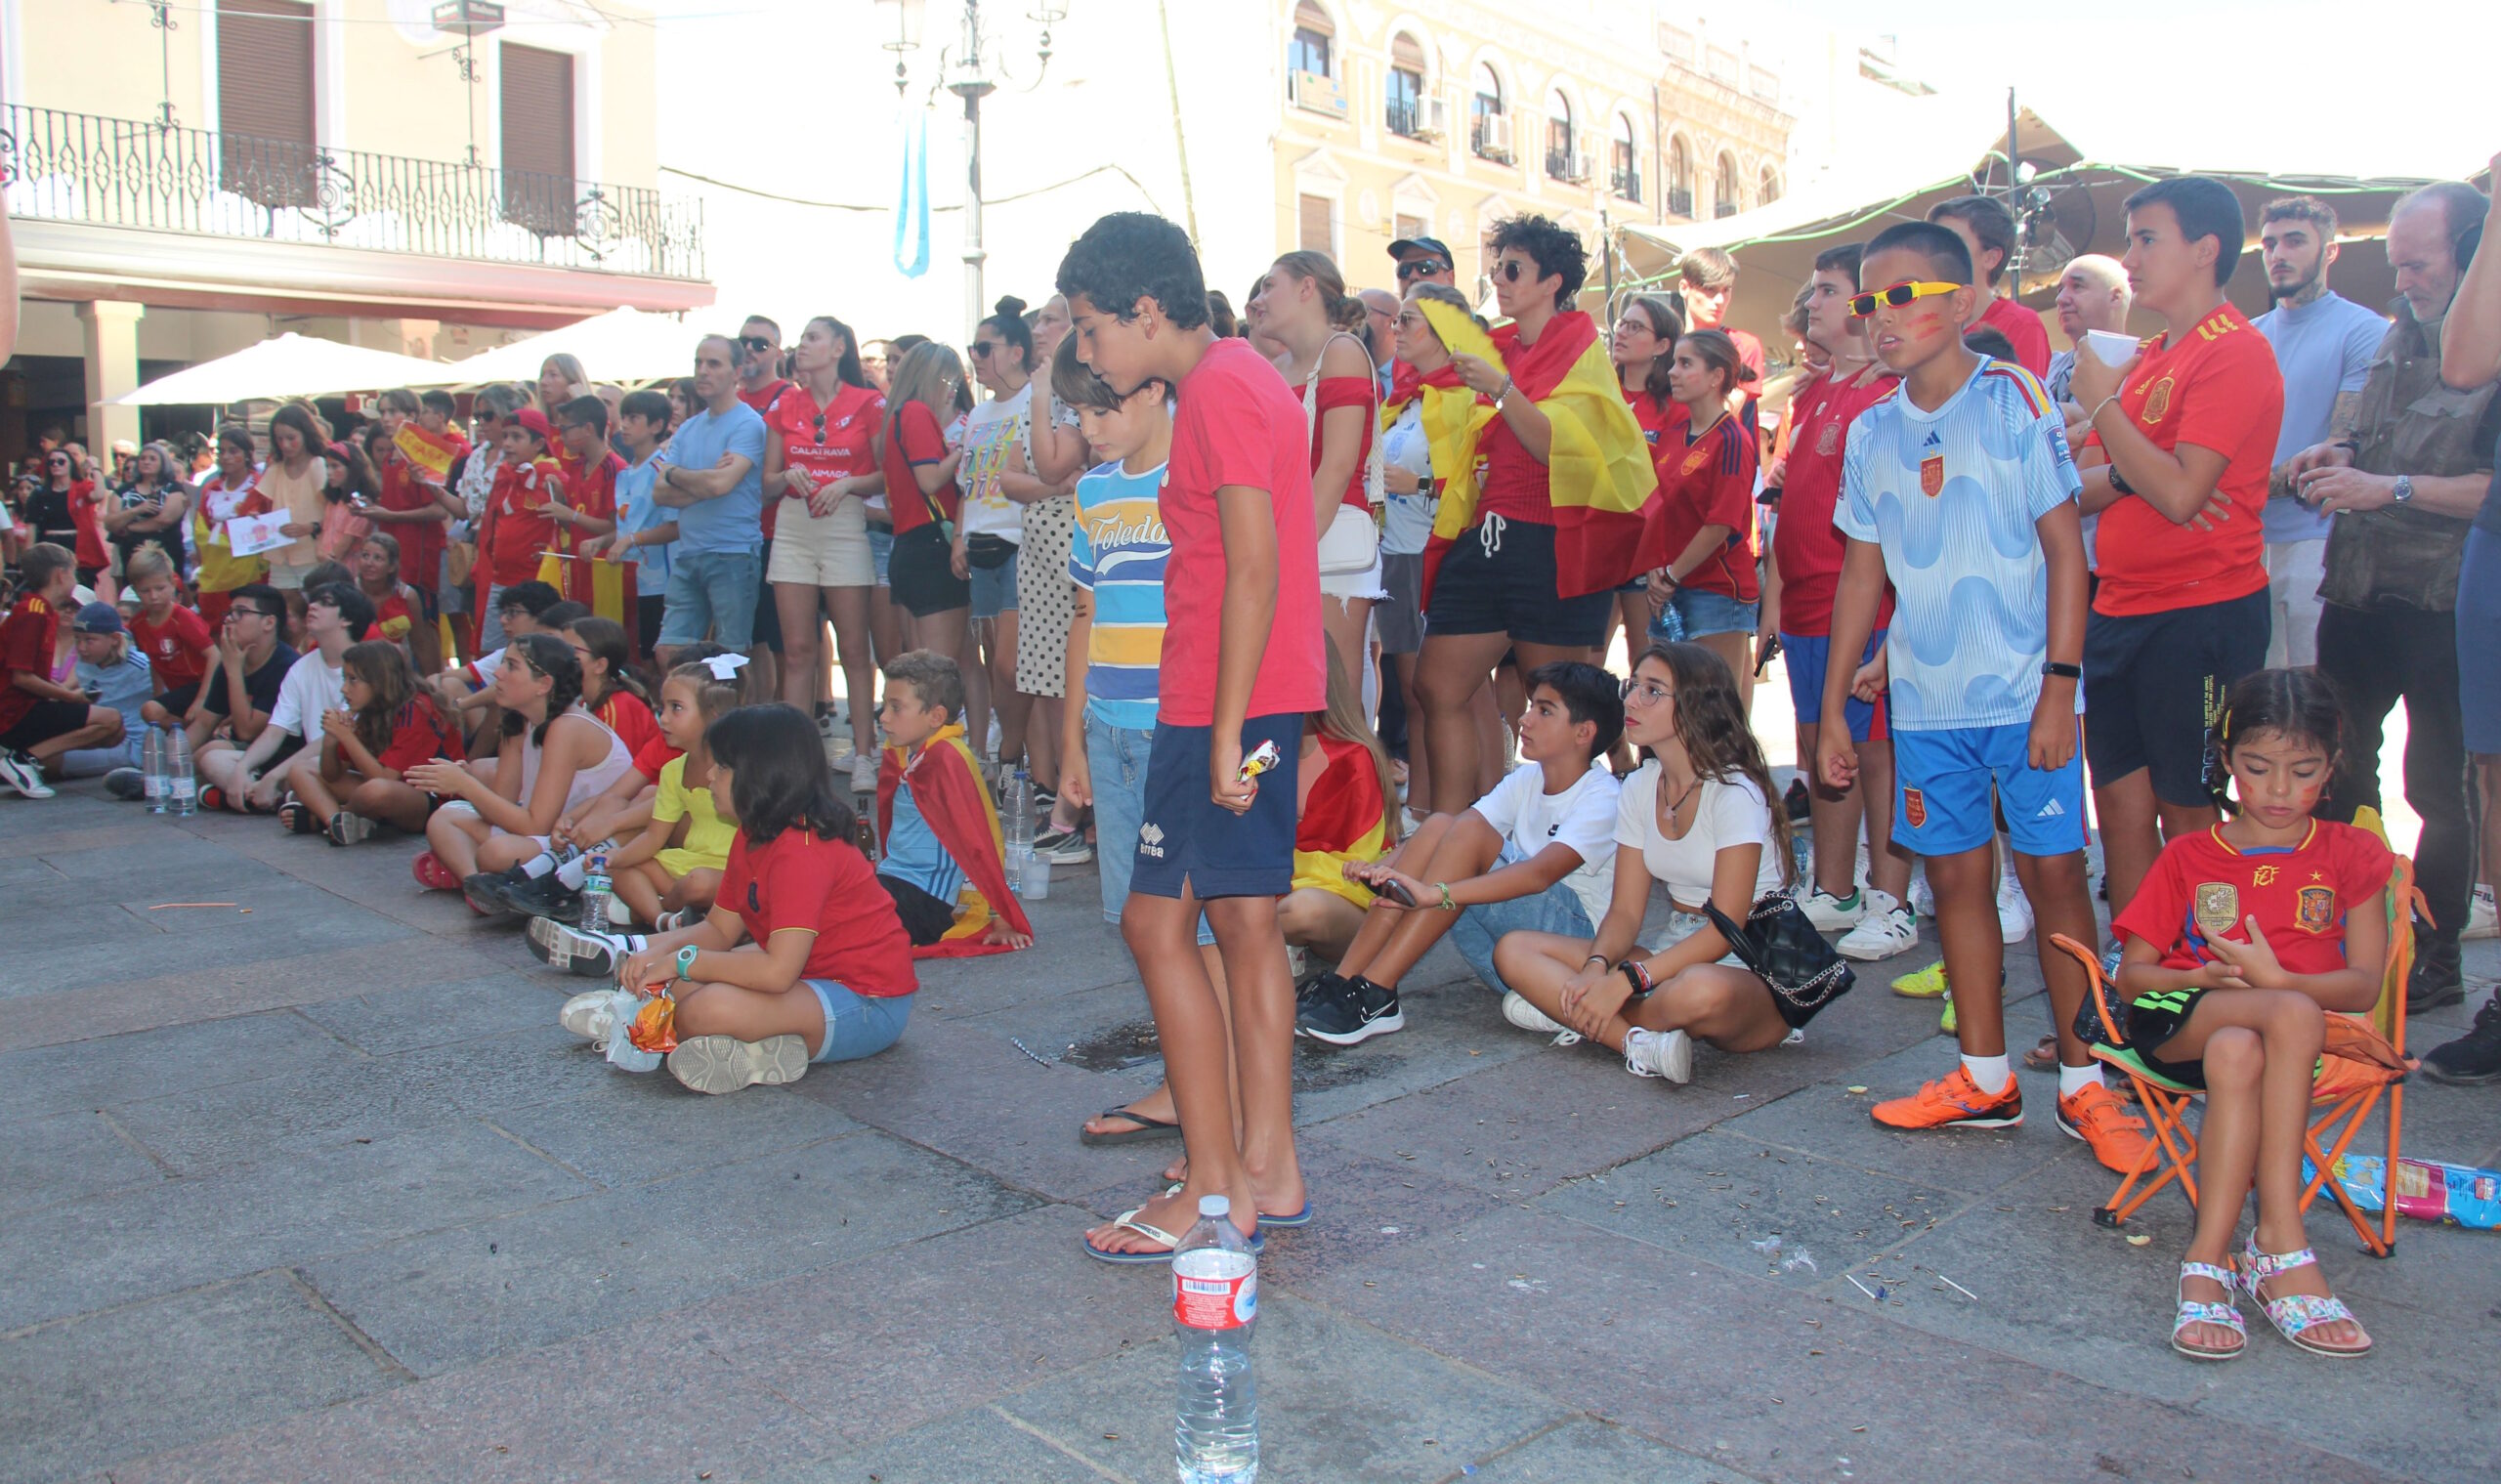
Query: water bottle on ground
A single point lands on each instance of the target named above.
(152, 757)
(596, 892)
(1020, 829)
(1215, 1305)
(182, 786)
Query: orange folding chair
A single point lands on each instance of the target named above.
(2364, 1062)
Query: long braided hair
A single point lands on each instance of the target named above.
(554, 658)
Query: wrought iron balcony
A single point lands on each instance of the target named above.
(1627, 180)
(1680, 201)
(113, 172)
(1725, 208)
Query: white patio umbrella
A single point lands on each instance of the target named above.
(289, 365)
(624, 345)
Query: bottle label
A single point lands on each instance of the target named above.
(1215, 1303)
(155, 787)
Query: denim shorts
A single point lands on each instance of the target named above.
(1556, 910)
(995, 588)
(882, 550)
(712, 593)
(1115, 757)
(857, 1025)
(1704, 614)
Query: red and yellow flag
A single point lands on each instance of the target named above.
(428, 451)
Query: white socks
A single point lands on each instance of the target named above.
(2074, 1080)
(1990, 1074)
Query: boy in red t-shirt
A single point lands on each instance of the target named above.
(39, 719)
(519, 524)
(590, 469)
(2177, 466)
(1988, 230)
(1241, 665)
(176, 640)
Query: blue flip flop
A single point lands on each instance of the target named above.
(1301, 1217)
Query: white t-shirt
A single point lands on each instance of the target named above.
(1406, 520)
(1581, 817)
(1730, 813)
(311, 686)
(990, 433)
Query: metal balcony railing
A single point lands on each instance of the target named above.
(115, 172)
(1627, 183)
(1725, 208)
(1406, 117)
(1680, 200)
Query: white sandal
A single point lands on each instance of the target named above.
(2201, 1311)
(2296, 1314)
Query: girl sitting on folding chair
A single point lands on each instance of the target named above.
(2237, 947)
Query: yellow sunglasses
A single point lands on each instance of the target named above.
(1863, 305)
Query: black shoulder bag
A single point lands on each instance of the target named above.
(1786, 953)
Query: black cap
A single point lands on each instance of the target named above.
(1433, 245)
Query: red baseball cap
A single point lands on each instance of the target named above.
(537, 422)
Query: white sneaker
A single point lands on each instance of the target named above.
(719, 1064)
(1831, 913)
(563, 945)
(2480, 919)
(1922, 897)
(1659, 1053)
(2014, 912)
(23, 774)
(590, 1014)
(864, 774)
(1887, 928)
(1528, 1017)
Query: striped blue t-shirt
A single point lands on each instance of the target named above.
(1951, 496)
(1119, 557)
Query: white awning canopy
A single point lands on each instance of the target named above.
(289, 365)
(625, 346)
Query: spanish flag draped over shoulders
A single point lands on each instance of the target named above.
(1600, 477)
(945, 785)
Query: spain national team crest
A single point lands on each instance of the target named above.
(2157, 402)
(2314, 908)
(1915, 807)
(1700, 455)
(1931, 475)
(1828, 441)
(2217, 907)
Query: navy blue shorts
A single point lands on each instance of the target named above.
(1184, 837)
(1807, 657)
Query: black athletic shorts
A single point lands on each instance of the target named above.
(926, 918)
(1499, 579)
(2154, 682)
(48, 718)
(2153, 1018)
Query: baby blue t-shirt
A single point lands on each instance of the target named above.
(1951, 496)
(1119, 557)
(735, 521)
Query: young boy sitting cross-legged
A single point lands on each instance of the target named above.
(943, 861)
(1536, 855)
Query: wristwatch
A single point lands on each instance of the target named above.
(2403, 491)
(2058, 670)
(685, 961)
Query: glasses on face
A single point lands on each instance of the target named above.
(1648, 693)
(233, 614)
(1864, 305)
(1417, 268)
(983, 348)
(756, 343)
(1409, 319)
(1510, 270)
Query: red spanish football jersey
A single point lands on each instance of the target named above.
(1805, 543)
(2203, 888)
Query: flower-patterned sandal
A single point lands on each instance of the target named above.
(2295, 1315)
(2199, 1312)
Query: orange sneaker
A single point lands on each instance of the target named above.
(2116, 1136)
(1954, 1101)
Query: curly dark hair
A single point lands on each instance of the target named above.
(551, 657)
(1552, 247)
(1132, 255)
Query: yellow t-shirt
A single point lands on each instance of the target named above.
(707, 834)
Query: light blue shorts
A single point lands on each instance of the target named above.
(882, 550)
(995, 588)
(1556, 909)
(1115, 757)
(1941, 792)
(857, 1025)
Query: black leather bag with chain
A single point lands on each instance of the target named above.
(1786, 953)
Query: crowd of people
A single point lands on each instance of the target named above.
(1300, 618)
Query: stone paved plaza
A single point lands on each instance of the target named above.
(311, 1186)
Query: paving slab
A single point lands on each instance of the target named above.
(111, 1004)
(627, 1129)
(983, 1443)
(110, 1071)
(66, 1156)
(1587, 1452)
(512, 1282)
(1834, 1122)
(449, 1013)
(132, 1381)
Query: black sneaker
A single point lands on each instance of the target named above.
(1314, 990)
(2436, 981)
(541, 897)
(1359, 1011)
(126, 783)
(2474, 1058)
(483, 891)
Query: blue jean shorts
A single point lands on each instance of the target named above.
(1941, 792)
(1187, 839)
(712, 594)
(1556, 910)
(1116, 758)
(857, 1025)
(1704, 614)
(882, 550)
(1807, 657)
(995, 588)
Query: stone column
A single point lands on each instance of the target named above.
(111, 330)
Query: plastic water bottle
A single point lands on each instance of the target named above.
(621, 1052)
(181, 786)
(151, 762)
(595, 891)
(1020, 829)
(1215, 1305)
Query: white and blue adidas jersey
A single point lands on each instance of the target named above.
(1951, 496)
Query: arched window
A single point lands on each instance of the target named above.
(1724, 200)
(1489, 91)
(1559, 163)
(1625, 173)
(1405, 90)
(1679, 177)
(1768, 190)
(1310, 50)
(1489, 130)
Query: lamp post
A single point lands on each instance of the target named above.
(969, 79)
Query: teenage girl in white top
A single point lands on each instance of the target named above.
(1698, 818)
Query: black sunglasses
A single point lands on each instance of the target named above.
(1513, 270)
(820, 427)
(1416, 268)
(756, 343)
(983, 348)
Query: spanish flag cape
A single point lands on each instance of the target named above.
(1345, 820)
(1608, 524)
(947, 788)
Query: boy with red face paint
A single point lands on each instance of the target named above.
(1958, 487)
